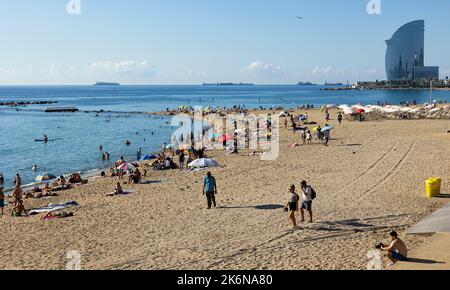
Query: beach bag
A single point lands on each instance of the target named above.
(313, 193)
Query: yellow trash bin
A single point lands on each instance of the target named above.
(433, 186)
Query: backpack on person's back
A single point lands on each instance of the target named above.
(313, 193)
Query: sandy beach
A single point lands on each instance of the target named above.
(369, 181)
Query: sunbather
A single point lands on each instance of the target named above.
(57, 214)
(118, 189)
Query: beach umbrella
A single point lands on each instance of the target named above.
(186, 147)
(45, 177)
(203, 162)
(171, 146)
(327, 128)
(360, 111)
(148, 157)
(127, 166)
(226, 138)
(315, 129)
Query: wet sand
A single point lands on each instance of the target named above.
(369, 181)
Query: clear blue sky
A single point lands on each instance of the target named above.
(191, 41)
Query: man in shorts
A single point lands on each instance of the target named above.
(307, 201)
(210, 189)
(397, 250)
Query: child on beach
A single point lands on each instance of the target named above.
(2, 199)
(309, 137)
(292, 205)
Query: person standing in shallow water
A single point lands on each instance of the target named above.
(18, 180)
(210, 189)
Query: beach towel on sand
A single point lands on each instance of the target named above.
(125, 192)
(53, 207)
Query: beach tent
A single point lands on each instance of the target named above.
(45, 177)
(203, 162)
(148, 157)
(127, 166)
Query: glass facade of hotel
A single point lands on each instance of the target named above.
(405, 54)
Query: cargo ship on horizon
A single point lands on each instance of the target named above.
(219, 84)
(106, 84)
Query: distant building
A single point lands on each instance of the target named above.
(406, 53)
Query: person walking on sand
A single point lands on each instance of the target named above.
(326, 137)
(307, 199)
(309, 137)
(210, 189)
(303, 135)
(181, 160)
(340, 118)
(2, 200)
(397, 250)
(292, 205)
